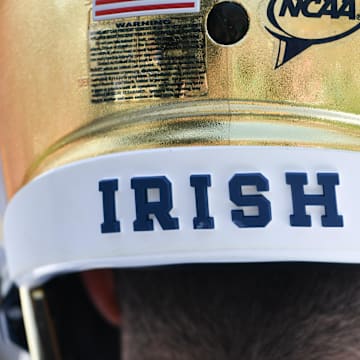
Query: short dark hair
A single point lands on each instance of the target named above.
(269, 311)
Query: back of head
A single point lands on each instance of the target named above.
(244, 311)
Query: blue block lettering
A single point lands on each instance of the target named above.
(327, 199)
(202, 219)
(239, 199)
(108, 189)
(160, 209)
(319, 8)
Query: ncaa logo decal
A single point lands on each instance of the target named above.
(299, 24)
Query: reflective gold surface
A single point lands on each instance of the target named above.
(48, 118)
(40, 332)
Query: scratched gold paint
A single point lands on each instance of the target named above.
(48, 119)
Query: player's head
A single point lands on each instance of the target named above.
(241, 311)
(146, 134)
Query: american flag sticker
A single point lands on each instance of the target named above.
(113, 9)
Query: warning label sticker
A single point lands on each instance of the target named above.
(133, 60)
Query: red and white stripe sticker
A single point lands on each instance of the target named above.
(113, 9)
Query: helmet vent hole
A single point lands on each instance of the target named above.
(227, 23)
